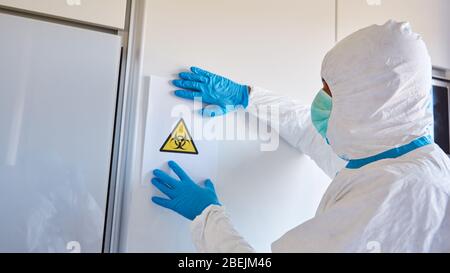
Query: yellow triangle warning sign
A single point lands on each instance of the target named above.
(180, 141)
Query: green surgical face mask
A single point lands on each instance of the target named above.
(320, 112)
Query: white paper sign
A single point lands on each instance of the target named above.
(168, 231)
(165, 112)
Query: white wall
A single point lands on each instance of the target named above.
(275, 44)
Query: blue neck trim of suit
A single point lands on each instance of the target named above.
(391, 154)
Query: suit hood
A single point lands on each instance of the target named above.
(380, 79)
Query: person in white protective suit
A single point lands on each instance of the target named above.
(368, 129)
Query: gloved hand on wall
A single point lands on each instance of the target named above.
(223, 94)
(185, 196)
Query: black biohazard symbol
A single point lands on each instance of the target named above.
(180, 141)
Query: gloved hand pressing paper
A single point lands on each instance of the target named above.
(185, 196)
(224, 94)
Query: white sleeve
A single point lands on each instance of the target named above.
(292, 120)
(213, 231)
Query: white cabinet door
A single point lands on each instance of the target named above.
(109, 13)
(58, 87)
(430, 18)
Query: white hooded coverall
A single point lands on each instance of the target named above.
(380, 78)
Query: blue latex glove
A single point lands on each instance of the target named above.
(186, 197)
(224, 94)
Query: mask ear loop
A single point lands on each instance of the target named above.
(331, 111)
